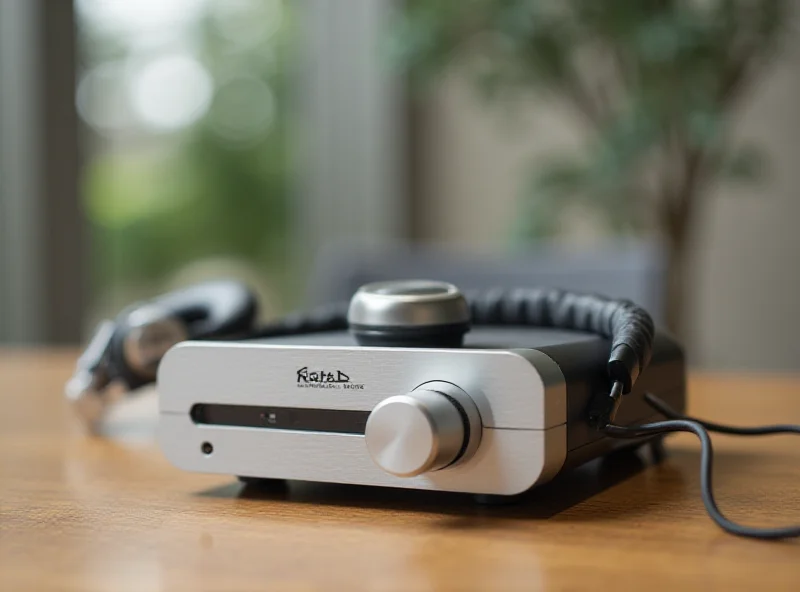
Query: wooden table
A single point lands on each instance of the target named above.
(82, 513)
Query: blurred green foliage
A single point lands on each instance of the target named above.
(652, 83)
(174, 198)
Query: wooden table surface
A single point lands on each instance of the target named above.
(83, 513)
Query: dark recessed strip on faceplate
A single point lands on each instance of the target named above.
(339, 421)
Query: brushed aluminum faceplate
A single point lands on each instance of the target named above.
(520, 394)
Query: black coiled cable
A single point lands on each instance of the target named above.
(629, 327)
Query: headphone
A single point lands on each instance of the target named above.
(127, 350)
(414, 313)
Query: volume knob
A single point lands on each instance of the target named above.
(424, 430)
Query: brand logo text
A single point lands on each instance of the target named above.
(327, 379)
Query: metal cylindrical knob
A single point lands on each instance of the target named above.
(409, 313)
(421, 431)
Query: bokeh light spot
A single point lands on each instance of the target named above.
(170, 92)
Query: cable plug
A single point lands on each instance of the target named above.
(603, 408)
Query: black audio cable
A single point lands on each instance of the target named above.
(661, 406)
(677, 422)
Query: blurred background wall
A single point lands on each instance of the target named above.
(149, 144)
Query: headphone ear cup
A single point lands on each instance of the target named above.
(214, 309)
(144, 333)
(141, 338)
(151, 332)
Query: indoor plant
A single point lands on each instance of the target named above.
(653, 83)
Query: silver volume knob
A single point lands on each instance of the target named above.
(424, 430)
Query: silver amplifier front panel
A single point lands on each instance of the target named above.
(520, 395)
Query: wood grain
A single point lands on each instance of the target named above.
(83, 513)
